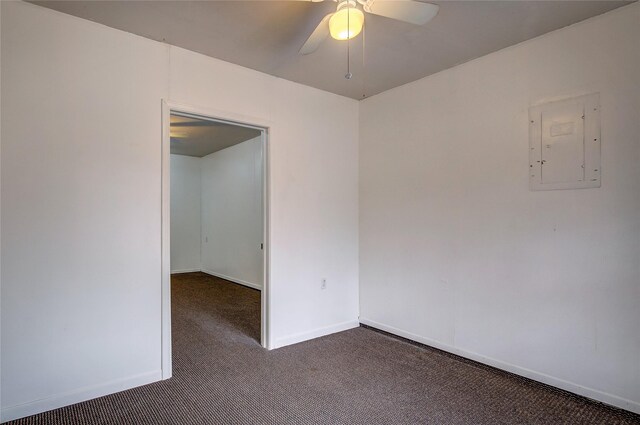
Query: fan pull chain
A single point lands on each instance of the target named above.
(364, 69)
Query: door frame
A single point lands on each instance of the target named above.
(220, 116)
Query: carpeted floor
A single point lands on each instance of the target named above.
(223, 376)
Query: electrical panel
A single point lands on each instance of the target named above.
(564, 144)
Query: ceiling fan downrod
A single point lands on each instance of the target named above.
(348, 3)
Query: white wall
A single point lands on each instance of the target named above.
(313, 184)
(81, 202)
(185, 213)
(80, 208)
(232, 213)
(455, 251)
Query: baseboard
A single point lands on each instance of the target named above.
(185, 271)
(316, 333)
(591, 393)
(233, 279)
(76, 396)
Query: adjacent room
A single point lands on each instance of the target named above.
(320, 212)
(217, 220)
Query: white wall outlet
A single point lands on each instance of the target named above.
(323, 284)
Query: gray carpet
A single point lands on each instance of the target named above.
(223, 376)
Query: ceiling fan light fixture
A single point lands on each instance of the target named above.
(347, 22)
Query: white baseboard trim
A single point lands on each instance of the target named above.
(185, 271)
(76, 396)
(233, 279)
(591, 393)
(316, 333)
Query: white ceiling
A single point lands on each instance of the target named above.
(266, 35)
(195, 137)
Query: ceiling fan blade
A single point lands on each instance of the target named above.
(317, 36)
(414, 12)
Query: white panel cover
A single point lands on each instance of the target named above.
(564, 144)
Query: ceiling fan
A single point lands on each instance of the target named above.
(347, 21)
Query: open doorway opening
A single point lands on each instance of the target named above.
(214, 223)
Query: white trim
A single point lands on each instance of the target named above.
(265, 298)
(233, 279)
(220, 115)
(0, 265)
(165, 245)
(591, 393)
(185, 271)
(219, 120)
(316, 333)
(76, 396)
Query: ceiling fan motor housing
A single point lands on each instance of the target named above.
(366, 4)
(346, 3)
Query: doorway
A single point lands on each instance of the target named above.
(214, 210)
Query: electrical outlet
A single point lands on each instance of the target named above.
(323, 284)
